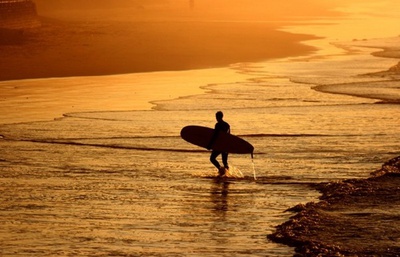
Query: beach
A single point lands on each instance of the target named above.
(92, 43)
(92, 105)
(147, 49)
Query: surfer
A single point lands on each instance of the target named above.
(221, 125)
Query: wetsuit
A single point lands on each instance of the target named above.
(219, 126)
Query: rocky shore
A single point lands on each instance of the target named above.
(357, 217)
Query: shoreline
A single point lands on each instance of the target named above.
(33, 100)
(71, 66)
(385, 88)
(94, 48)
(357, 217)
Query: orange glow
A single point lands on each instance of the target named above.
(90, 38)
(198, 9)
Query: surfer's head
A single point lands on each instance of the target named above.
(219, 115)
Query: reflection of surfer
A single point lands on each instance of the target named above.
(219, 196)
(221, 125)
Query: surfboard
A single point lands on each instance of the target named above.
(201, 136)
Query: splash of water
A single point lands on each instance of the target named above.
(254, 168)
(234, 172)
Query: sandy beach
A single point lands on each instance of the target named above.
(144, 45)
(136, 42)
(64, 48)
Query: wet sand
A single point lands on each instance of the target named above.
(45, 99)
(356, 217)
(144, 48)
(62, 48)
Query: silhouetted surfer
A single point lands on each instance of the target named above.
(221, 125)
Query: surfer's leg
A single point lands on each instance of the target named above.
(225, 160)
(213, 159)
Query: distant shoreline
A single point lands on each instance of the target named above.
(71, 48)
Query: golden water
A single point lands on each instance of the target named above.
(111, 181)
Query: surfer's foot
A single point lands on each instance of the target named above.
(221, 171)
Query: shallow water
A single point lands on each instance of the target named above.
(123, 183)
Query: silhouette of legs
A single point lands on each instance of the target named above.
(213, 159)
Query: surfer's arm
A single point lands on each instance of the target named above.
(213, 138)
